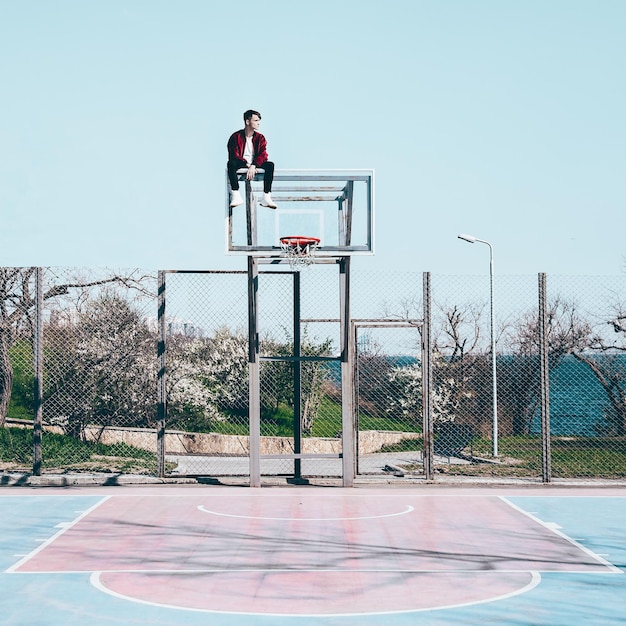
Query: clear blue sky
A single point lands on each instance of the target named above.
(500, 118)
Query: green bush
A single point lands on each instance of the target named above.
(21, 404)
(61, 451)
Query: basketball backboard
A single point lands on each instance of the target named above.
(336, 206)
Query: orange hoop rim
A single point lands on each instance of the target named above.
(299, 240)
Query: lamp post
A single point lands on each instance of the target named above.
(472, 239)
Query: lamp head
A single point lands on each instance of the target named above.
(468, 238)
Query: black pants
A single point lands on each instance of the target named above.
(236, 164)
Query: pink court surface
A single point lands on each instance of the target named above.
(312, 555)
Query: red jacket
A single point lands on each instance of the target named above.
(237, 144)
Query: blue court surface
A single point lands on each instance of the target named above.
(368, 556)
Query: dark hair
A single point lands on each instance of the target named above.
(249, 113)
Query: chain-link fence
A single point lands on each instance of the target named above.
(79, 374)
(17, 330)
(206, 363)
(78, 353)
(584, 401)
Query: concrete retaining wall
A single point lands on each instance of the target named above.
(179, 442)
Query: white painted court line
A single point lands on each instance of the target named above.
(305, 570)
(555, 528)
(408, 509)
(65, 526)
(535, 579)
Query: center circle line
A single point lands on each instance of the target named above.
(408, 509)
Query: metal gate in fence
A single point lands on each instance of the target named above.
(388, 396)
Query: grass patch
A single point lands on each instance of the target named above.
(69, 454)
(278, 422)
(406, 445)
(328, 421)
(592, 457)
(597, 457)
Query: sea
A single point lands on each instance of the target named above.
(578, 402)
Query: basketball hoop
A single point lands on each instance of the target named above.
(299, 251)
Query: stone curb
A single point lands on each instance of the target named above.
(87, 480)
(393, 479)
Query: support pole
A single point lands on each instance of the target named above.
(346, 201)
(254, 403)
(161, 380)
(38, 382)
(427, 386)
(494, 383)
(297, 378)
(546, 461)
(347, 378)
(251, 226)
(355, 395)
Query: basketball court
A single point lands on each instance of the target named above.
(201, 554)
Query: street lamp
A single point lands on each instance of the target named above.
(472, 239)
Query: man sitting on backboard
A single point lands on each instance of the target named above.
(247, 148)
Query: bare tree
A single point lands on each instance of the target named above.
(519, 378)
(374, 371)
(606, 357)
(462, 365)
(459, 333)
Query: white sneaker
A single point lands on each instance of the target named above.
(268, 202)
(235, 198)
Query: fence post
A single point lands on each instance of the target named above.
(297, 378)
(546, 466)
(254, 374)
(427, 417)
(38, 378)
(161, 388)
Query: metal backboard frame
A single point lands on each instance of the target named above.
(335, 205)
(345, 359)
